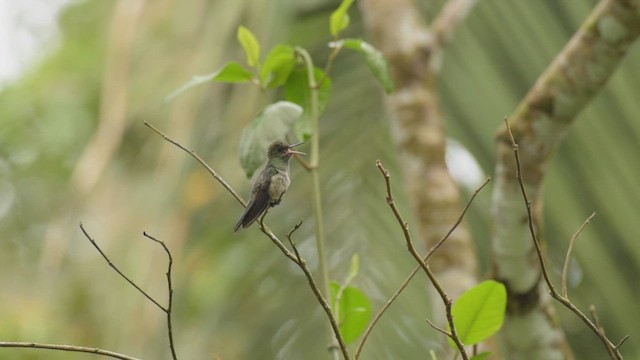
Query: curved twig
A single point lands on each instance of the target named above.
(415, 270)
(423, 264)
(611, 348)
(69, 348)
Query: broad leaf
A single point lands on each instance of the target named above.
(231, 72)
(339, 19)
(479, 312)
(277, 66)
(297, 90)
(273, 123)
(250, 45)
(354, 311)
(374, 58)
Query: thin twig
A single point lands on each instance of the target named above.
(70, 348)
(405, 229)
(415, 270)
(265, 230)
(169, 311)
(318, 293)
(622, 341)
(437, 328)
(609, 346)
(567, 259)
(455, 225)
(93, 242)
(202, 162)
(382, 310)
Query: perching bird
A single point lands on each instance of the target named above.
(271, 184)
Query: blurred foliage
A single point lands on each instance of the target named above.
(236, 296)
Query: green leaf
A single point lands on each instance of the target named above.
(374, 58)
(355, 266)
(479, 312)
(277, 66)
(339, 19)
(273, 123)
(354, 311)
(481, 356)
(250, 45)
(231, 72)
(297, 90)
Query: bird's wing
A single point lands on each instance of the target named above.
(259, 199)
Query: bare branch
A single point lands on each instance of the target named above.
(598, 330)
(69, 348)
(405, 229)
(567, 259)
(169, 311)
(318, 293)
(202, 162)
(622, 341)
(265, 230)
(455, 225)
(437, 328)
(406, 281)
(93, 242)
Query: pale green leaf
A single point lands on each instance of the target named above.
(355, 266)
(374, 59)
(231, 73)
(250, 45)
(273, 123)
(339, 19)
(277, 66)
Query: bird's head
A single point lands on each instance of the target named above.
(282, 150)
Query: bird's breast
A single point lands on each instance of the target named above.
(278, 186)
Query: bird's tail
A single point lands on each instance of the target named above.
(251, 214)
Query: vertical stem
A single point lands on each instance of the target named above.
(317, 201)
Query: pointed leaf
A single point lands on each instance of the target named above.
(354, 311)
(355, 266)
(374, 58)
(231, 72)
(250, 45)
(297, 90)
(273, 123)
(479, 312)
(277, 66)
(339, 19)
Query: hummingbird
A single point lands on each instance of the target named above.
(271, 184)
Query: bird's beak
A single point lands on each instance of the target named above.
(290, 151)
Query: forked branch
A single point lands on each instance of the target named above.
(415, 270)
(423, 264)
(168, 310)
(611, 348)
